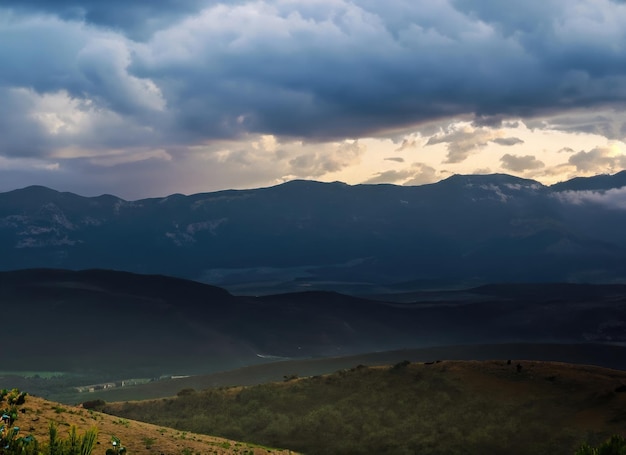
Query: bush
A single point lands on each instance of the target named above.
(95, 405)
(186, 392)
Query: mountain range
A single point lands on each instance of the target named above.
(464, 231)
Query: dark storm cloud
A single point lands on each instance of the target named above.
(20, 135)
(284, 69)
(610, 124)
(493, 121)
(134, 18)
(187, 72)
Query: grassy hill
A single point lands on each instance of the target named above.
(449, 407)
(608, 356)
(139, 438)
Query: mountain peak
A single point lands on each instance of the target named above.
(35, 190)
(595, 183)
(477, 179)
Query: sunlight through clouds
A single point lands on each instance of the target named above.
(230, 95)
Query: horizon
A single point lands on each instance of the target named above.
(147, 98)
(300, 180)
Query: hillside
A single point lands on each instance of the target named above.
(464, 231)
(449, 407)
(138, 437)
(119, 325)
(604, 355)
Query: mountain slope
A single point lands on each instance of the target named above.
(465, 230)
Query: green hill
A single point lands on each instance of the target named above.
(450, 407)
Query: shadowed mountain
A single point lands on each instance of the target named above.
(120, 324)
(460, 232)
(598, 183)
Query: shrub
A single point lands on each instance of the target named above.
(186, 392)
(615, 445)
(96, 405)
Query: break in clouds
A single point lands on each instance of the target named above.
(97, 92)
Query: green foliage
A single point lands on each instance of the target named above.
(117, 448)
(615, 445)
(94, 404)
(74, 444)
(408, 408)
(123, 422)
(15, 397)
(148, 442)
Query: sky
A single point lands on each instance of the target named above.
(145, 99)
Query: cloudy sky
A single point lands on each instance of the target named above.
(144, 98)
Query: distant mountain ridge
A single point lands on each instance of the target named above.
(463, 231)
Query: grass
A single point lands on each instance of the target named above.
(442, 408)
(139, 438)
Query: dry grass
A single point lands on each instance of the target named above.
(139, 438)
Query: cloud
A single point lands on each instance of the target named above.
(422, 174)
(508, 141)
(323, 69)
(397, 159)
(137, 19)
(407, 143)
(610, 123)
(88, 79)
(317, 164)
(263, 159)
(493, 121)
(390, 176)
(462, 141)
(417, 174)
(614, 198)
(520, 163)
(598, 160)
